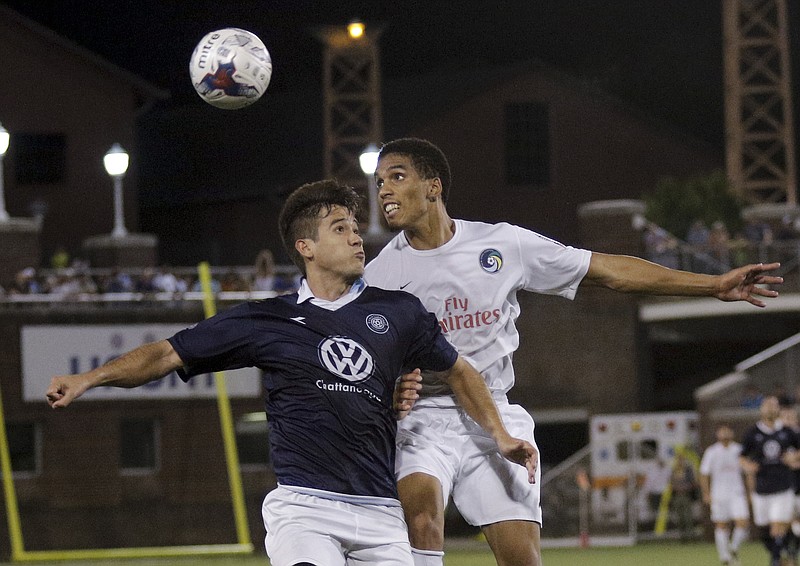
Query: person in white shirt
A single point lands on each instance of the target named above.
(468, 274)
(723, 489)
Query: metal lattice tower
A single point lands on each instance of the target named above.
(351, 99)
(758, 107)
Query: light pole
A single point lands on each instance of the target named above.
(5, 138)
(369, 162)
(116, 163)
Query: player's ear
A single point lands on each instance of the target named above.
(434, 189)
(305, 247)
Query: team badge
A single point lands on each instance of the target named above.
(378, 323)
(491, 260)
(346, 358)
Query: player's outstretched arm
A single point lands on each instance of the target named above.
(630, 274)
(474, 396)
(406, 393)
(142, 365)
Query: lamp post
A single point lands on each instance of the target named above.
(369, 162)
(116, 163)
(5, 138)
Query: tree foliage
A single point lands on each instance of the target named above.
(676, 203)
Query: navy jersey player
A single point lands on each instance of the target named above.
(331, 355)
(468, 274)
(768, 451)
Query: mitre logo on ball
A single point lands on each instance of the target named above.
(230, 68)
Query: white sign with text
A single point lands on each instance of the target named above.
(49, 350)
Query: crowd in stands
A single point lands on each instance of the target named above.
(712, 249)
(77, 278)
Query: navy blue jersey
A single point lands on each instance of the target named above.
(329, 377)
(766, 446)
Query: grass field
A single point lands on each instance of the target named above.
(646, 554)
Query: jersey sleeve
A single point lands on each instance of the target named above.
(219, 343)
(429, 350)
(550, 267)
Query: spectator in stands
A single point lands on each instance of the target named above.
(697, 238)
(660, 246)
(146, 281)
(684, 490)
(25, 283)
(232, 282)
(752, 397)
(117, 282)
(718, 242)
(264, 279)
(758, 235)
(166, 282)
(216, 287)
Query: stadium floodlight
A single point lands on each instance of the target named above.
(356, 29)
(5, 138)
(116, 163)
(368, 160)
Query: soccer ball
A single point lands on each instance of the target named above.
(230, 68)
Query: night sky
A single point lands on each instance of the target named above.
(663, 57)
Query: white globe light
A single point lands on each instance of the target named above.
(369, 159)
(116, 161)
(5, 138)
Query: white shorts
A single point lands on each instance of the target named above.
(307, 528)
(729, 508)
(449, 445)
(773, 508)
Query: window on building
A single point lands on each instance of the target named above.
(24, 447)
(40, 158)
(527, 144)
(139, 446)
(252, 441)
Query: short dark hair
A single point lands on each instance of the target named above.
(299, 217)
(429, 161)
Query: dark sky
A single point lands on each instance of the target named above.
(663, 56)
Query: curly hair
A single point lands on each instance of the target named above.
(299, 217)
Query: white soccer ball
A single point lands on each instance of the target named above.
(230, 68)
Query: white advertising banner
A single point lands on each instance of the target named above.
(64, 349)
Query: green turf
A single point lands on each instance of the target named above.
(645, 554)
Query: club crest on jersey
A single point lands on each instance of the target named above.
(491, 260)
(346, 358)
(378, 323)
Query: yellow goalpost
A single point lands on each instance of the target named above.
(243, 546)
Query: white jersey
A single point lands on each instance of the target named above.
(471, 283)
(721, 463)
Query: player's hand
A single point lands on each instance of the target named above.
(406, 393)
(64, 389)
(742, 284)
(521, 452)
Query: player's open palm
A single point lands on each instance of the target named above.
(743, 284)
(521, 452)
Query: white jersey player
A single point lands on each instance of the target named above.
(468, 274)
(722, 485)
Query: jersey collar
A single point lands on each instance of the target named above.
(305, 294)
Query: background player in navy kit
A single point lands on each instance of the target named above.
(767, 450)
(331, 354)
(469, 274)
